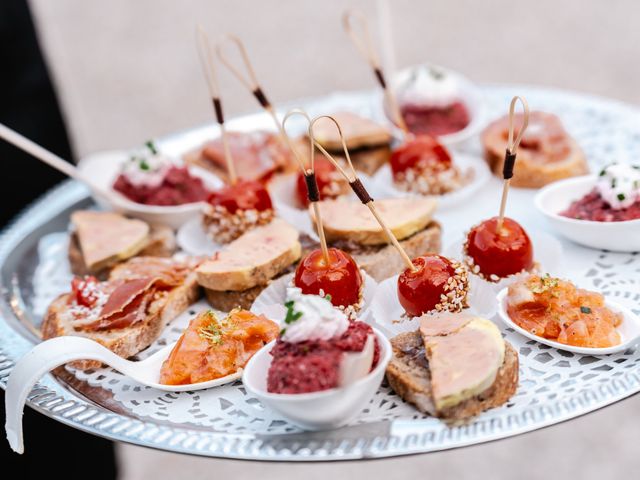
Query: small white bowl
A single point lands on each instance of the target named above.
(629, 329)
(319, 410)
(104, 167)
(470, 94)
(614, 236)
(468, 165)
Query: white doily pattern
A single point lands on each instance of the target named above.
(546, 374)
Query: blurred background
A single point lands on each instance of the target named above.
(122, 71)
(125, 71)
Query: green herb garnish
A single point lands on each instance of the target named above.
(151, 146)
(328, 296)
(546, 283)
(213, 331)
(621, 197)
(584, 309)
(144, 165)
(292, 314)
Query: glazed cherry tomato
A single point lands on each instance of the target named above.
(244, 195)
(83, 290)
(420, 291)
(500, 253)
(341, 278)
(419, 152)
(325, 175)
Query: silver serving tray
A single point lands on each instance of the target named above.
(557, 387)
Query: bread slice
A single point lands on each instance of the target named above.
(409, 375)
(535, 169)
(161, 242)
(253, 259)
(124, 342)
(367, 159)
(351, 220)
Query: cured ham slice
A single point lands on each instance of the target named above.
(257, 155)
(166, 271)
(125, 306)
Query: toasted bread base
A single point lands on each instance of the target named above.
(124, 342)
(228, 300)
(409, 377)
(367, 160)
(529, 174)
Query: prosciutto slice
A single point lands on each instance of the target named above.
(126, 306)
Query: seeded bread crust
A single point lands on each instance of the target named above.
(124, 342)
(408, 375)
(228, 300)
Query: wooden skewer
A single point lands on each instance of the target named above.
(358, 188)
(59, 164)
(310, 177)
(209, 70)
(251, 80)
(364, 44)
(510, 154)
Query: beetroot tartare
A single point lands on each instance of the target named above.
(308, 355)
(313, 366)
(177, 188)
(151, 178)
(593, 207)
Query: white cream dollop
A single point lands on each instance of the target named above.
(319, 319)
(619, 185)
(428, 86)
(145, 169)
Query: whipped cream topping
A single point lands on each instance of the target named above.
(428, 86)
(317, 318)
(147, 168)
(619, 185)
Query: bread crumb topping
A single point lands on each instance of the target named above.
(224, 227)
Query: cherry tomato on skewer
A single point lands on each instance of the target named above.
(243, 195)
(495, 254)
(437, 284)
(340, 278)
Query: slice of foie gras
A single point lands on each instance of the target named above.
(106, 238)
(464, 358)
(252, 259)
(351, 220)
